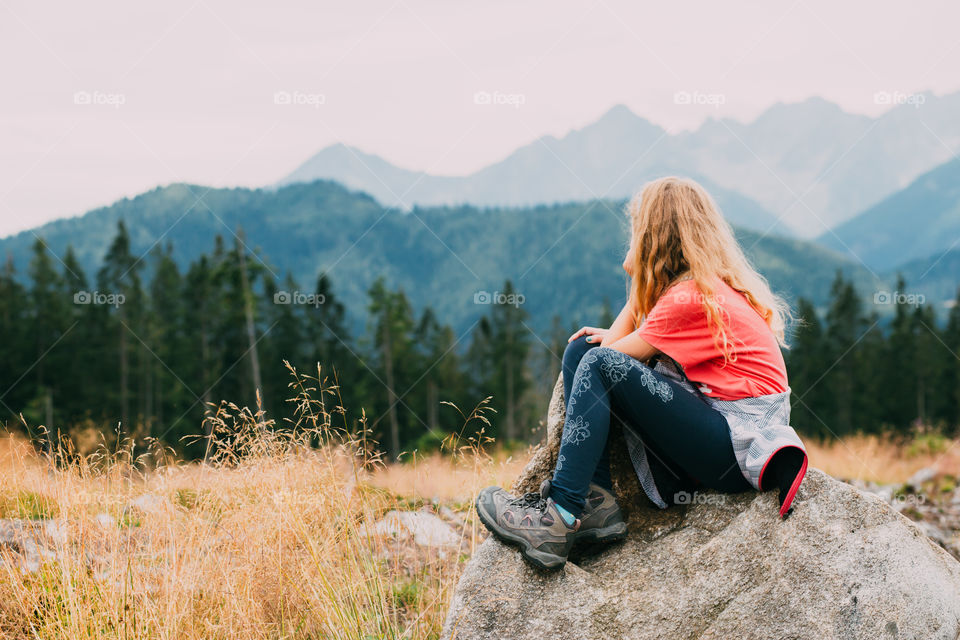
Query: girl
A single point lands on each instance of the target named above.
(691, 365)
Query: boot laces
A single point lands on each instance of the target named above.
(533, 500)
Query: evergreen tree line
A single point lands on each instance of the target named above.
(851, 374)
(145, 349)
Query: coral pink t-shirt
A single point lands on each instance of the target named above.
(678, 326)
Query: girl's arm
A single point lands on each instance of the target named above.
(621, 327)
(635, 347)
(622, 336)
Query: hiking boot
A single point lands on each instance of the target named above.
(601, 520)
(531, 522)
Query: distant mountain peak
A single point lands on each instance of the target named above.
(619, 117)
(810, 161)
(619, 112)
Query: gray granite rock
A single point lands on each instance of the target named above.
(844, 565)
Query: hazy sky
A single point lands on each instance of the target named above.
(102, 100)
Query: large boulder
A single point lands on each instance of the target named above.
(843, 565)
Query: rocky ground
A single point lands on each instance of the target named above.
(929, 498)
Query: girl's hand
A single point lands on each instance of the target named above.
(595, 334)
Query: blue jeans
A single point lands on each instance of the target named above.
(687, 441)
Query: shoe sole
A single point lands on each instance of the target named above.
(611, 533)
(540, 559)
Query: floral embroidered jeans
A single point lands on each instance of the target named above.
(688, 442)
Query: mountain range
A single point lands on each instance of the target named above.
(914, 223)
(803, 167)
(536, 217)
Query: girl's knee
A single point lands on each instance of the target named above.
(608, 356)
(613, 366)
(596, 360)
(574, 351)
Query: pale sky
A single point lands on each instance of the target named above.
(101, 100)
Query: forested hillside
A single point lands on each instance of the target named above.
(564, 259)
(920, 222)
(143, 347)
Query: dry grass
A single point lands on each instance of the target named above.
(265, 539)
(885, 460)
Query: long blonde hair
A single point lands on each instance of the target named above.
(678, 232)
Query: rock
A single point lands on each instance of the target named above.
(148, 504)
(13, 532)
(427, 529)
(450, 515)
(843, 565)
(54, 530)
(885, 492)
(920, 477)
(933, 532)
(26, 540)
(105, 520)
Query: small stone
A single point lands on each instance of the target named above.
(105, 520)
(427, 529)
(920, 477)
(149, 504)
(55, 530)
(450, 515)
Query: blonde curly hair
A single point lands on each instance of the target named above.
(677, 233)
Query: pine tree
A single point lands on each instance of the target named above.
(438, 362)
(927, 363)
(49, 311)
(843, 330)
(900, 378)
(871, 357)
(285, 342)
(79, 345)
(15, 349)
(510, 348)
(168, 391)
(201, 309)
(119, 281)
(807, 365)
(327, 332)
(392, 321)
(951, 378)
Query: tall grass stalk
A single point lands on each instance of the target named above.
(270, 536)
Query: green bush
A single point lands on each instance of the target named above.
(928, 444)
